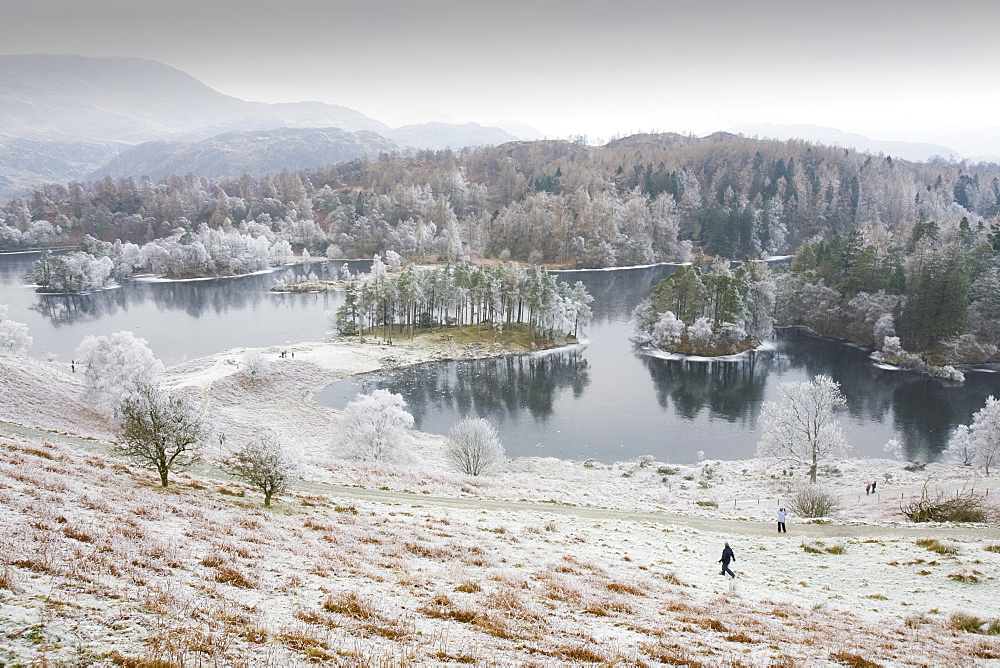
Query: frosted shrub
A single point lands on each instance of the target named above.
(474, 447)
(256, 365)
(813, 502)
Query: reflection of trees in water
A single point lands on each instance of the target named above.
(732, 389)
(616, 293)
(217, 295)
(924, 410)
(497, 389)
(69, 309)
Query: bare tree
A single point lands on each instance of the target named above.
(474, 447)
(802, 426)
(265, 463)
(256, 365)
(159, 430)
(374, 427)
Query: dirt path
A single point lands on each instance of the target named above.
(706, 524)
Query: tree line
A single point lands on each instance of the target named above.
(636, 200)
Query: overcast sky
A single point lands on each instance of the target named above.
(889, 69)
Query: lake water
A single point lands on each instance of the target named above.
(604, 400)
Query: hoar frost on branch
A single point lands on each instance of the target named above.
(14, 337)
(115, 366)
(265, 463)
(474, 447)
(256, 365)
(979, 443)
(159, 430)
(374, 428)
(802, 426)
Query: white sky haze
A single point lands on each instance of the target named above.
(911, 70)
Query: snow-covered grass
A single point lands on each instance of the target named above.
(612, 564)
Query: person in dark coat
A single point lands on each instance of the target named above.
(727, 556)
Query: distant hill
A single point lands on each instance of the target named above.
(27, 162)
(133, 100)
(438, 136)
(64, 117)
(915, 151)
(252, 152)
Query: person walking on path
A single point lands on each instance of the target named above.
(782, 514)
(874, 482)
(727, 556)
(868, 489)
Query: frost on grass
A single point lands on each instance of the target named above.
(102, 566)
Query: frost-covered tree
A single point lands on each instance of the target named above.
(159, 430)
(266, 464)
(983, 439)
(374, 427)
(115, 366)
(256, 365)
(894, 448)
(802, 426)
(960, 448)
(474, 447)
(700, 334)
(668, 330)
(14, 337)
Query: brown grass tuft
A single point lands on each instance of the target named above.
(231, 576)
(856, 660)
(351, 605)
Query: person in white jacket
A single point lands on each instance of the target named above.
(782, 514)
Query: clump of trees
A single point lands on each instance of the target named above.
(474, 447)
(484, 297)
(708, 309)
(925, 287)
(77, 271)
(124, 381)
(802, 425)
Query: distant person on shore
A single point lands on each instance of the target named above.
(782, 514)
(727, 556)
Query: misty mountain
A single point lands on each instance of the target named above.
(133, 99)
(252, 152)
(915, 151)
(438, 136)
